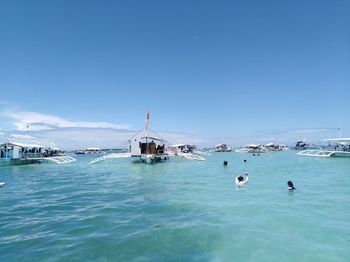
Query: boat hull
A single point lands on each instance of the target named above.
(17, 162)
(152, 159)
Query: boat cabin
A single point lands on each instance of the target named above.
(149, 149)
(53, 151)
(19, 150)
(146, 145)
(301, 145)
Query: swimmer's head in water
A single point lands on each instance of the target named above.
(290, 185)
(240, 178)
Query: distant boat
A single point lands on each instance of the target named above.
(88, 150)
(275, 147)
(222, 148)
(251, 149)
(340, 148)
(150, 149)
(183, 148)
(13, 153)
(303, 145)
(186, 151)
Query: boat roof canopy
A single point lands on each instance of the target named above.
(178, 145)
(23, 145)
(153, 138)
(55, 148)
(253, 145)
(219, 145)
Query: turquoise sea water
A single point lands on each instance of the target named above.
(177, 211)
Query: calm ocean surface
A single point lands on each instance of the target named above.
(177, 211)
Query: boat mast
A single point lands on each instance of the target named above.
(146, 128)
(27, 128)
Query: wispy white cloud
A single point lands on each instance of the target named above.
(37, 121)
(51, 130)
(21, 136)
(75, 138)
(310, 130)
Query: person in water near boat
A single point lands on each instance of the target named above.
(290, 186)
(240, 180)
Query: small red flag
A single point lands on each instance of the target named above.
(147, 120)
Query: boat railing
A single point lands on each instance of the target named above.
(61, 159)
(315, 152)
(32, 155)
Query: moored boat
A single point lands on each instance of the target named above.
(88, 150)
(340, 148)
(149, 149)
(222, 148)
(14, 153)
(275, 147)
(251, 149)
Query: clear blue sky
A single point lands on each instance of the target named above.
(216, 67)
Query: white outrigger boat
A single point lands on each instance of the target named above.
(148, 149)
(13, 153)
(340, 149)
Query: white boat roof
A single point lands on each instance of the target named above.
(253, 145)
(153, 138)
(55, 148)
(220, 145)
(341, 139)
(178, 145)
(92, 148)
(270, 144)
(23, 145)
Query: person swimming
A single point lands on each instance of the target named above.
(290, 186)
(240, 181)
